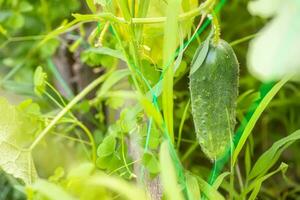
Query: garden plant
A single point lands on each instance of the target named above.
(149, 99)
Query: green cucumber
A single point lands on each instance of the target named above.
(214, 90)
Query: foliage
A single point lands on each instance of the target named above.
(15, 158)
(95, 100)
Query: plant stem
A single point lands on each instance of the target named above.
(244, 39)
(21, 39)
(217, 30)
(56, 93)
(124, 157)
(131, 67)
(90, 136)
(182, 123)
(71, 138)
(75, 120)
(80, 96)
(144, 20)
(238, 172)
(190, 150)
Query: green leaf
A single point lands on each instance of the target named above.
(106, 51)
(143, 8)
(209, 191)
(110, 162)
(16, 21)
(40, 78)
(48, 48)
(24, 6)
(155, 138)
(127, 119)
(256, 184)
(193, 187)
(114, 103)
(151, 111)
(247, 160)
(178, 63)
(75, 45)
(257, 113)
(200, 55)
(246, 99)
(91, 5)
(168, 174)
(170, 44)
(114, 78)
(3, 31)
(125, 9)
(17, 130)
(220, 179)
(107, 147)
(108, 157)
(150, 72)
(151, 163)
(270, 157)
(58, 175)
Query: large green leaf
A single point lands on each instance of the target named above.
(17, 128)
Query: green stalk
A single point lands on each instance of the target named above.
(182, 123)
(171, 28)
(142, 12)
(77, 122)
(217, 30)
(60, 79)
(133, 50)
(144, 20)
(125, 10)
(68, 107)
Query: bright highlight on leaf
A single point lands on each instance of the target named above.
(17, 129)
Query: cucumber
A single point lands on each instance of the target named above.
(214, 90)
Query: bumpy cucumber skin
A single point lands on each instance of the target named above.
(214, 90)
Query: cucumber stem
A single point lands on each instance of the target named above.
(217, 30)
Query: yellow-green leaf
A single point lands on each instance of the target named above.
(16, 132)
(168, 174)
(170, 43)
